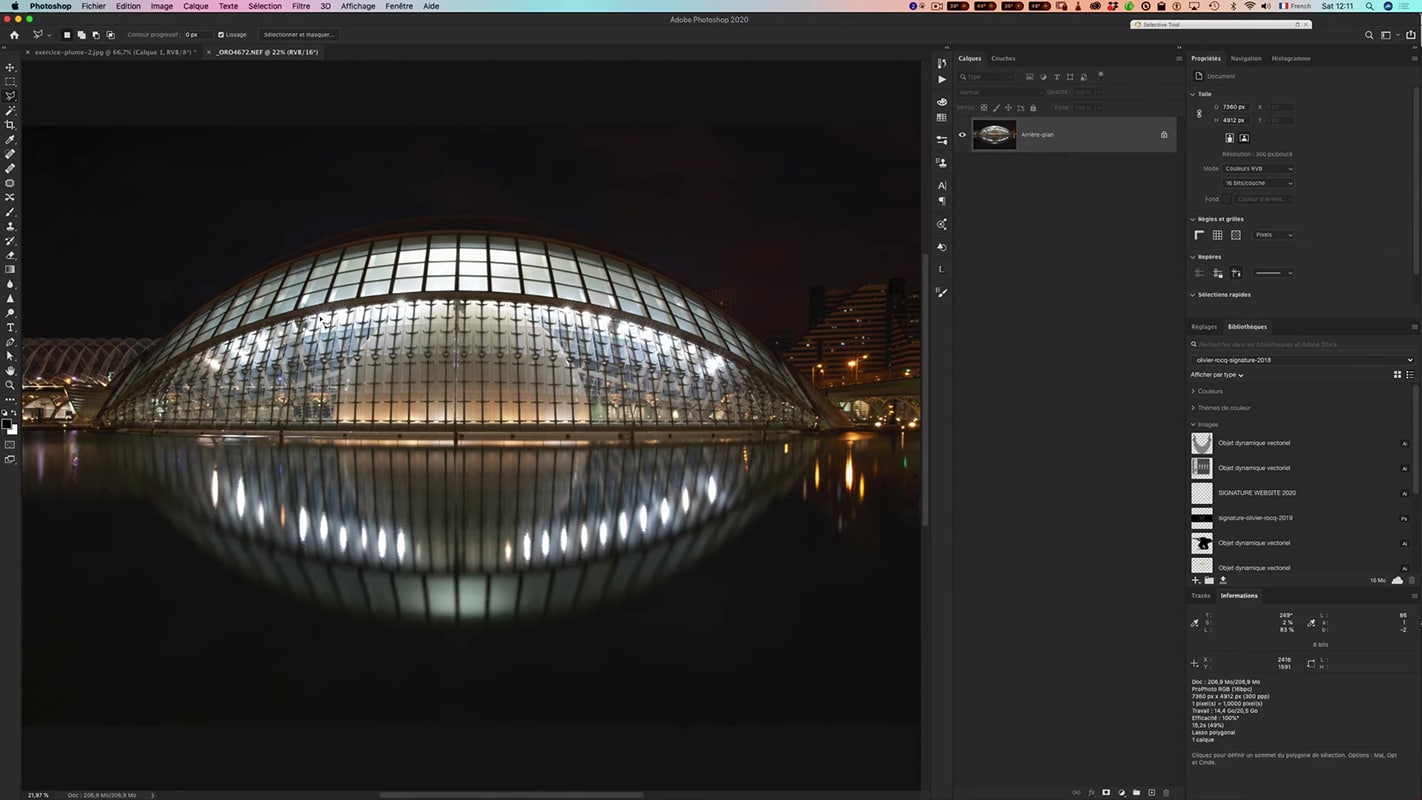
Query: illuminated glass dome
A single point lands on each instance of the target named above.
(454, 329)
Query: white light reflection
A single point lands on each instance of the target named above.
(301, 524)
(543, 544)
(563, 540)
(711, 488)
(364, 540)
(642, 517)
(685, 500)
(508, 551)
(527, 546)
(343, 538)
(214, 487)
(261, 513)
(380, 543)
(622, 525)
(602, 532)
(399, 545)
(666, 511)
(324, 528)
(241, 497)
(583, 536)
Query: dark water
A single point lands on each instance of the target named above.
(183, 582)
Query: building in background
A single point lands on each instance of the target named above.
(66, 380)
(870, 333)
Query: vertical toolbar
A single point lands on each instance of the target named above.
(937, 298)
(11, 399)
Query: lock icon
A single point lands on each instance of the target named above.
(1164, 135)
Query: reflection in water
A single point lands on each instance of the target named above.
(440, 533)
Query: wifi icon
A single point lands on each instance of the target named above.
(1250, 5)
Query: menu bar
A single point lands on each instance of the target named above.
(703, 12)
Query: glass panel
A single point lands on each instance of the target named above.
(536, 274)
(649, 291)
(317, 294)
(271, 283)
(283, 306)
(239, 305)
(684, 322)
(473, 268)
(632, 307)
(472, 284)
(439, 284)
(504, 270)
(538, 288)
(258, 309)
(409, 285)
(410, 270)
(572, 293)
(673, 296)
(218, 310)
(378, 273)
(502, 249)
(619, 273)
(510, 285)
(473, 247)
(355, 257)
(297, 273)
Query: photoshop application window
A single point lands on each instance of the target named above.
(701, 399)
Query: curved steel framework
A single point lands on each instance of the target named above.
(899, 408)
(450, 330)
(79, 362)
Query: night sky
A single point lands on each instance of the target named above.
(129, 229)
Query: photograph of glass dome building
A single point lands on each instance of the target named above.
(453, 328)
(466, 442)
